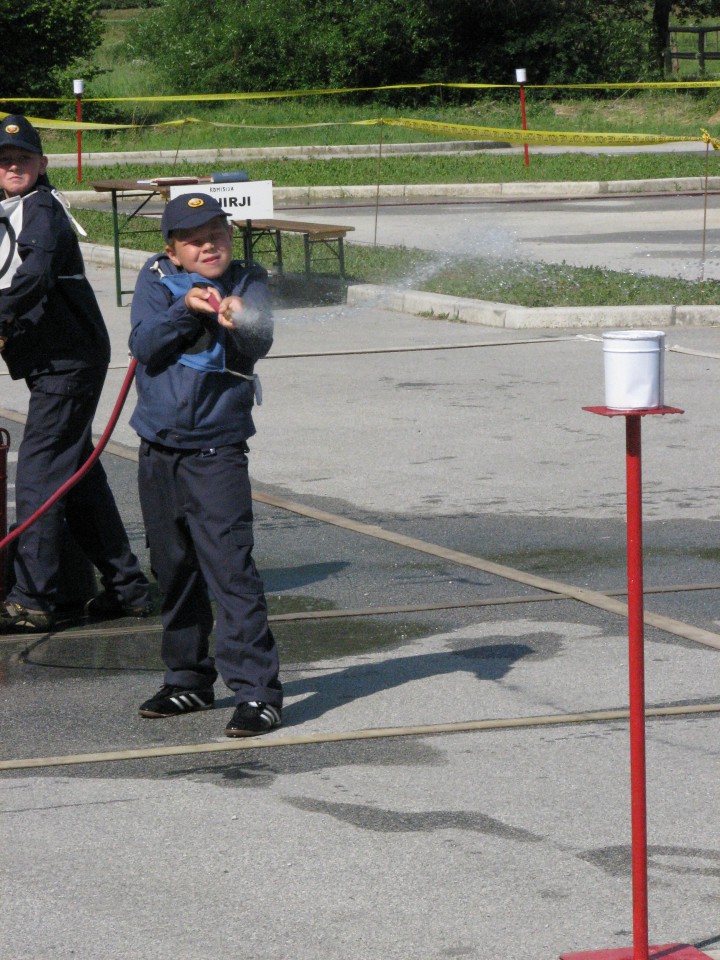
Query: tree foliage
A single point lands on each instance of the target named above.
(43, 38)
(229, 45)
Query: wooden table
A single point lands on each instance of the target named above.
(326, 237)
(136, 191)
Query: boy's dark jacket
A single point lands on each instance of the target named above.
(49, 313)
(178, 406)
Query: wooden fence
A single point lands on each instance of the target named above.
(701, 55)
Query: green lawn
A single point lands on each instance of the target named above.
(332, 120)
(523, 283)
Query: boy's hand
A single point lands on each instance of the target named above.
(230, 312)
(202, 299)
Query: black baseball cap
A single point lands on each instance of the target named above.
(16, 131)
(189, 210)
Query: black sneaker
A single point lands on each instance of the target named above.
(252, 718)
(15, 618)
(171, 701)
(108, 606)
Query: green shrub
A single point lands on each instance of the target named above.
(42, 39)
(214, 46)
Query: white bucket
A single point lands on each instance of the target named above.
(634, 369)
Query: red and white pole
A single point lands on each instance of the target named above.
(521, 78)
(78, 90)
(640, 949)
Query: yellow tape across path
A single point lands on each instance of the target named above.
(439, 129)
(335, 91)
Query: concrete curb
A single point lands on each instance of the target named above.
(512, 317)
(415, 193)
(105, 256)
(241, 154)
(499, 191)
(483, 312)
(333, 151)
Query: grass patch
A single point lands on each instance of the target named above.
(560, 285)
(480, 278)
(485, 168)
(279, 122)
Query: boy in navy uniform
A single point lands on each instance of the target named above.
(53, 336)
(200, 320)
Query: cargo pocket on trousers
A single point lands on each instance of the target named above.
(245, 573)
(242, 534)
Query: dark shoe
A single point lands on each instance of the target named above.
(108, 606)
(252, 718)
(171, 701)
(15, 618)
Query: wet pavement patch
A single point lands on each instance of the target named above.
(306, 641)
(370, 817)
(64, 654)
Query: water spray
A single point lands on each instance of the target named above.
(246, 316)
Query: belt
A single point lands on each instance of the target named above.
(202, 452)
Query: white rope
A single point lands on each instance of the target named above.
(694, 353)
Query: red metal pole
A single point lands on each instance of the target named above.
(524, 122)
(4, 447)
(78, 113)
(640, 949)
(637, 687)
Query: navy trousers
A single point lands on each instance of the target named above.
(197, 507)
(57, 441)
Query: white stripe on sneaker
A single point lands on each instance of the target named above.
(270, 715)
(188, 701)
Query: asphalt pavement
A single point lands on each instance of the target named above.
(452, 778)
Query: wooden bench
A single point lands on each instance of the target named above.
(327, 237)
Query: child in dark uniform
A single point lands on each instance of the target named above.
(200, 320)
(53, 336)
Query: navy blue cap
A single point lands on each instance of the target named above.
(16, 131)
(189, 210)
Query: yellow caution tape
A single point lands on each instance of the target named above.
(46, 124)
(437, 128)
(638, 85)
(73, 125)
(251, 95)
(334, 91)
(500, 134)
(707, 138)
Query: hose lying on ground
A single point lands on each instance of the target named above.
(79, 474)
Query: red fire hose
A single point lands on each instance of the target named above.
(7, 539)
(79, 474)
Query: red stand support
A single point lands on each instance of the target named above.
(636, 667)
(524, 123)
(4, 448)
(78, 116)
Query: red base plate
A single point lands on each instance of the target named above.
(667, 951)
(634, 412)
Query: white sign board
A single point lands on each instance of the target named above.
(242, 200)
